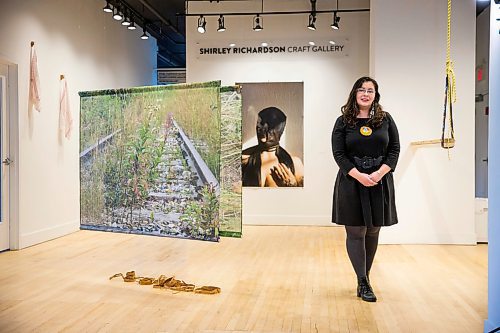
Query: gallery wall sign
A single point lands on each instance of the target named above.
(337, 47)
(271, 49)
(170, 75)
(150, 160)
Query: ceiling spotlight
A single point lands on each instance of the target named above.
(221, 24)
(132, 25)
(126, 21)
(232, 44)
(257, 23)
(336, 20)
(312, 21)
(332, 42)
(144, 34)
(312, 43)
(264, 44)
(107, 8)
(202, 24)
(117, 16)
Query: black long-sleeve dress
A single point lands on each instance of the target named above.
(353, 203)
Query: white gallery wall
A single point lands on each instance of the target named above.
(403, 45)
(77, 39)
(327, 78)
(435, 191)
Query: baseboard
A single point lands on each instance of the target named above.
(401, 237)
(388, 235)
(46, 234)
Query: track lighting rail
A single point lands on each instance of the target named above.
(329, 11)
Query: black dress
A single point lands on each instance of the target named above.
(353, 203)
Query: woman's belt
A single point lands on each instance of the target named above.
(368, 162)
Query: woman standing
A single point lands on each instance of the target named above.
(365, 144)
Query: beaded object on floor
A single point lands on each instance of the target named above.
(164, 282)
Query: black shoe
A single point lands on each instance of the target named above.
(365, 291)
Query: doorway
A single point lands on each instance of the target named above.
(482, 123)
(4, 157)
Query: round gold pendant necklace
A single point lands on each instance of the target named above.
(365, 131)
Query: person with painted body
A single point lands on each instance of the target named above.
(268, 164)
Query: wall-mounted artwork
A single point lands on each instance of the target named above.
(150, 160)
(272, 134)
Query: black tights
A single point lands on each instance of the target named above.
(361, 247)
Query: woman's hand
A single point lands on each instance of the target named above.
(363, 178)
(376, 176)
(380, 173)
(283, 176)
(366, 180)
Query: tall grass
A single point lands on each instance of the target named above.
(120, 173)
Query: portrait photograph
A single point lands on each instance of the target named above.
(272, 134)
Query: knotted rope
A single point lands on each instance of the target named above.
(450, 92)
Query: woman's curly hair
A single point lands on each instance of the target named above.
(350, 110)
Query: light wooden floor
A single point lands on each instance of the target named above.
(274, 279)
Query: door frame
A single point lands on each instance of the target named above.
(4, 168)
(13, 124)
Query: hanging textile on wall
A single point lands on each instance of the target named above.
(150, 160)
(65, 118)
(34, 93)
(230, 201)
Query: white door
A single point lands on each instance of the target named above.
(4, 157)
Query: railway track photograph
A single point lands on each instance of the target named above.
(150, 161)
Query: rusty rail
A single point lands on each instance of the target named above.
(204, 171)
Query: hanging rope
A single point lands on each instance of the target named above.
(450, 92)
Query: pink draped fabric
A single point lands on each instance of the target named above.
(65, 118)
(34, 93)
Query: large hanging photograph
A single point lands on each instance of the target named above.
(230, 180)
(272, 134)
(150, 160)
